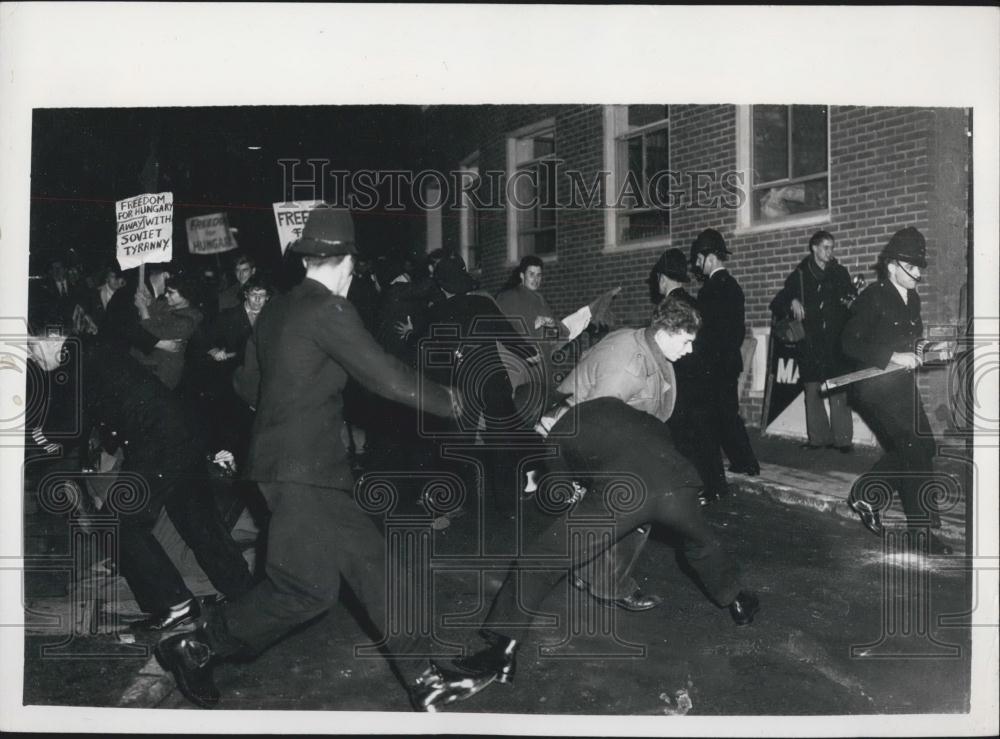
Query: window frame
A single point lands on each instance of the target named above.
(615, 131)
(514, 230)
(468, 216)
(744, 155)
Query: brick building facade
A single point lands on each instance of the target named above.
(859, 172)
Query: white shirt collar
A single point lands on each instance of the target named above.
(903, 292)
(717, 269)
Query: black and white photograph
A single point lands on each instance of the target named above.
(568, 370)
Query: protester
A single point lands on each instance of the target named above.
(883, 328)
(232, 295)
(175, 319)
(521, 300)
(639, 449)
(164, 451)
(818, 293)
(720, 302)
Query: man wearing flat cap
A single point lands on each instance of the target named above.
(884, 327)
(721, 304)
(305, 345)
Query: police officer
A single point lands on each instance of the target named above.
(692, 422)
(884, 327)
(720, 302)
(305, 345)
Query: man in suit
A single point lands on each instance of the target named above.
(306, 344)
(720, 302)
(884, 327)
(692, 423)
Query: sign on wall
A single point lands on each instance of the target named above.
(145, 229)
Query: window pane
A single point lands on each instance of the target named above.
(545, 242)
(788, 200)
(647, 225)
(808, 139)
(545, 145)
(643, 115)
(657, 159)
(770, 143)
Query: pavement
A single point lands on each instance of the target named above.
(827, 639)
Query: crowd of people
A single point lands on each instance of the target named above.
(300, 391)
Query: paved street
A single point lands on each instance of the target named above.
(824, 584)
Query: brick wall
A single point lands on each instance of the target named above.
(889, 168)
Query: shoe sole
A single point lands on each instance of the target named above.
(169, 664)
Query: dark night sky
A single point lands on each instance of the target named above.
(85, 159)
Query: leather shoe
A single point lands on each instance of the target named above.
(189, 658)
(636, 601)
(869, 516)
(178, 615)
(751, 470)
(440, 685)
(845, 449)
(743, 608)
(500, 658)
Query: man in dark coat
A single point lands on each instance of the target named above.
(692, 423)
(466, 327)
(720, 302)
(884, 327)
(164, 450)
(818, 293)
(305, 346)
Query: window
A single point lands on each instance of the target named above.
(636, 150)
(468, 216)
(531, 192)
(432, 197)
(789, 164)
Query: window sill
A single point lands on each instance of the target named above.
(812, 220)
(661, 243)
(546, 258)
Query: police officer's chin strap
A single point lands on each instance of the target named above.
(916, 278)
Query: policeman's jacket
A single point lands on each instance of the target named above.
(628, 365)
(723, 327)
(305, 345)
(880, 324)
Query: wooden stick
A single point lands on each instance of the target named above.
(940, 355)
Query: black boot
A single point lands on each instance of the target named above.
(500, 658)
(870, 516)
(190, 659)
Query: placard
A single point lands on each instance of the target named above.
(145, 229)
(290, 219)
(210, 234)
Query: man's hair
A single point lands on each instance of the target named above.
(257, 282)
(187, 286)
(312, 262)
(244, 259)
(529, 260)
(675, 316)
(819, 237)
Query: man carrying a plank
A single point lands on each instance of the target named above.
(882, 331)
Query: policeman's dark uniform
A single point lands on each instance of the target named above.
(692, 423)
(881, 324)
(718, 345)
(305, 345)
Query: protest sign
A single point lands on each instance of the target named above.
(783, 385)
(291, 218)
(145, 229)
(209, 234)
